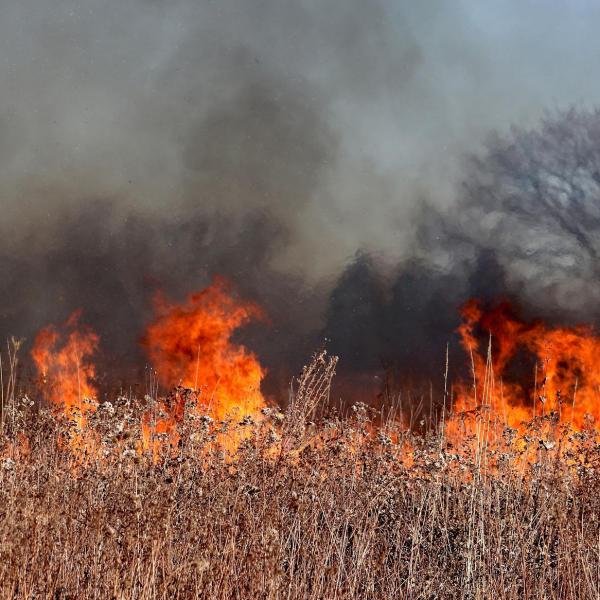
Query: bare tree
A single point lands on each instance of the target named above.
(533, 198)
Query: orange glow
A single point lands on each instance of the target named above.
(63, 359)
(531, 370)
(190, 345)
(526, 376)
(159, 424)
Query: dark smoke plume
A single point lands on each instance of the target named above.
(310, 151)
(534, 200)
(526, 229)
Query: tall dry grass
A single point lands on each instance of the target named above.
(343, 509)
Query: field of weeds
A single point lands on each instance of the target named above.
(334, 507)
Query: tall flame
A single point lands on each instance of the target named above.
(526, 376)
(190, 345)
(565, 379)
(63, 358)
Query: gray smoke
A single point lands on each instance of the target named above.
(526, 228)
(150, 144)
(534, 200)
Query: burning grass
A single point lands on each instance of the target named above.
(209, 491)
(336, 507)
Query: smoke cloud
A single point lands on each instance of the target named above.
(304, 149)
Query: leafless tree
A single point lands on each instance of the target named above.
(534, 199)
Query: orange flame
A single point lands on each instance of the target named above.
(64, 365)
(521, 370)
(565, 379)
(190, 345)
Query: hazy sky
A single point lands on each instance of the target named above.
(336, 118)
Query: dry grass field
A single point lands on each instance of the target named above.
(302, 504)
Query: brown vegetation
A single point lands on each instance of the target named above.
(336, 508)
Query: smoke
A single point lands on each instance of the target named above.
(150, 144)
(533, 200)
(526, 229)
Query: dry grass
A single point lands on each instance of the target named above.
(342, 509)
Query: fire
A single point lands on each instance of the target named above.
(194, 356)
(522, 373)
(190, 345)
(63, 359)
(564, 383)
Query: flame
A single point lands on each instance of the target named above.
(190, 345)
(526, 376)
(563, 385)
(159, 424)
(63, 359)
